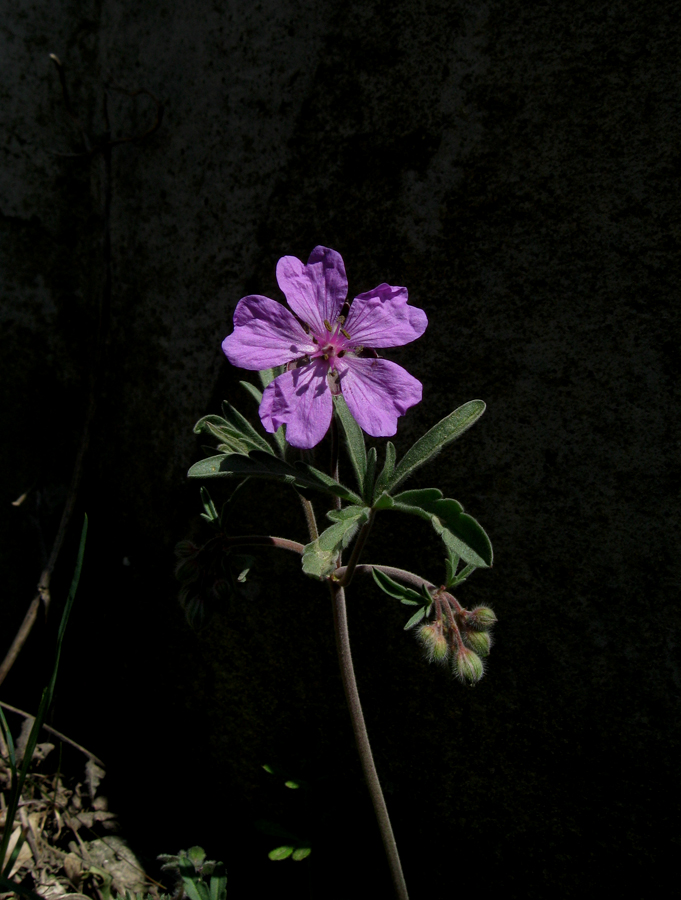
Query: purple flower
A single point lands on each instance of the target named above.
(327, 349)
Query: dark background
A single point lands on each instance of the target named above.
(516, 166)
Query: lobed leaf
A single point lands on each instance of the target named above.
(320, 557)
(446, 431)
(462, 535)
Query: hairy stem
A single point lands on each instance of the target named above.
(400, 574)
(310, 519)
(340, 621)
(264, 540)
(349, 570)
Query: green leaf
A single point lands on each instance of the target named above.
(446, 431)
(281, 852)
(265, 465)
(7, 735)
(347, 512)
(462, 576)
(193, 885)
(460, 532)
(301, 853)
(265, 377)
(231, 440)
(196, 854)
(321, 556)
(211, 513)
(416, 618)
(354, 440)
(252, 390)
(244, 427)
(385, 501)
(394, 589)
(388, 468)
(371, 474)
(218, 883)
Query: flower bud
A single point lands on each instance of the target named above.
(480, 641)
(434, 642)
(481, 618)
(469, 666)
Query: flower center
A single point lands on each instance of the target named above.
(334, 342)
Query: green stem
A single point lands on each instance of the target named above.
(340, 621)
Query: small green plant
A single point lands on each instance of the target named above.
(201, 878)
(294, 846)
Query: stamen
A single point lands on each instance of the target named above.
(327, 325)
(344, 332)
(341, 320)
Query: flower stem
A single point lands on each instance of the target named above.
(340, 621)
(260, 540)
(401, 574)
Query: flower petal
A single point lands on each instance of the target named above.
(316, 291)
(301, 400)
(383, 318)
(377, 391)
(265, 334)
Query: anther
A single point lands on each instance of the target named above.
(327, 325)
(344, 332)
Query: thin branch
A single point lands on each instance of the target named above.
(264, 540)
(340, 621)
(57, 734)
(310, 519)
(400, 574)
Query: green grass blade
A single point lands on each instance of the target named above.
(45, 701)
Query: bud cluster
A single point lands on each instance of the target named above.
(458, 635)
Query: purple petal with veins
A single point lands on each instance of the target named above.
(383, 318)
(377, 392)
(266, 334)
(301, 400)
(315, 292)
